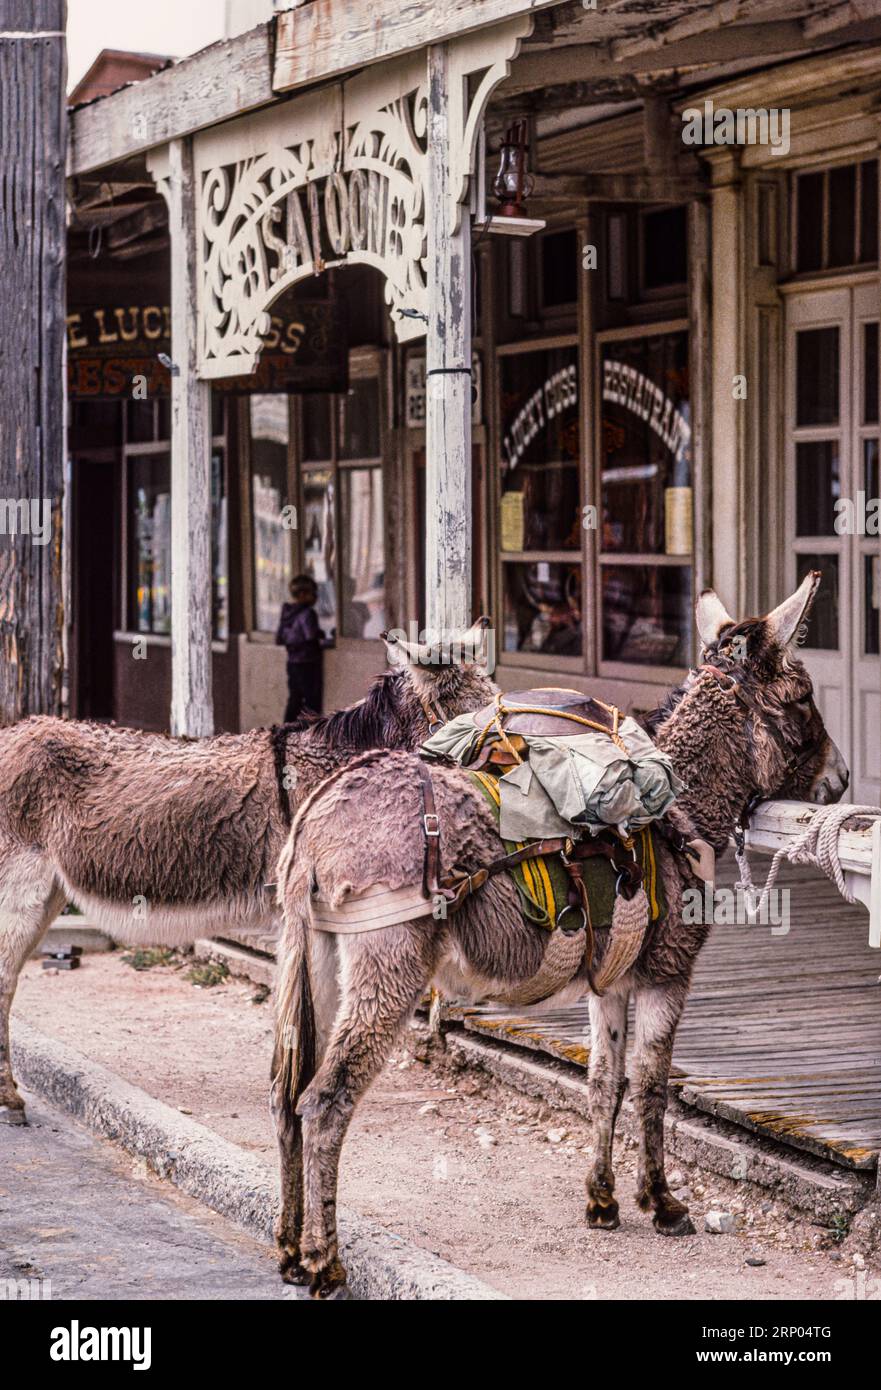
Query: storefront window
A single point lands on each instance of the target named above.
(359, 432)
(540, 500)
(540, 451)
(271, 525)
(342, 526)
(149, 558)
(542, 608)
(646, 536)
(319, 542)
(317, 435)
(837, 216)
(362, 606)
(150, 543)
(647, 614)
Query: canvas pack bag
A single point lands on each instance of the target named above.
(567, 764)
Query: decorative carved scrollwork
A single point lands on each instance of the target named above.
(339, 176)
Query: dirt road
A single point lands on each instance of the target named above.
(454, 1162)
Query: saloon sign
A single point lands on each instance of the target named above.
(113, 350)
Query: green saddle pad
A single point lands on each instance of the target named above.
(543, 884)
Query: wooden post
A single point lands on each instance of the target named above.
(700, 353)
(727, 417)
(192, 711)
(448, 374)
(33, 138)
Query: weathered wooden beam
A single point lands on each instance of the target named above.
(192, 710)
(837, 17)
(448, 374)
(224, 80)
(330, 37)
(33, 133)
(541, 60)
(659, 35)
(616, 188)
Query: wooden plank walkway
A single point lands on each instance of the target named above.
(781, 1034)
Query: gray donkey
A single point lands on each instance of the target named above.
(159, 839)
(743, 725)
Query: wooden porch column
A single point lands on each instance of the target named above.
(728, 413)
(448, 381)
(192, 709)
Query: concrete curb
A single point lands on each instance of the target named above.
(241, 961)
(230, 1181)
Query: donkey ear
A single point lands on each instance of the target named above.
(783, 624)
(398, 650)
(474, 639)
(711, 616)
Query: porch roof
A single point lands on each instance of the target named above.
(616, 50)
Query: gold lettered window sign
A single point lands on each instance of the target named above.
(110, 347)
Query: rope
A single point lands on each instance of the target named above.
(818, 846)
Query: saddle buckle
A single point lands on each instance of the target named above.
(432, 830)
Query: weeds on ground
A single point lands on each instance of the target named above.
(207, 974)
(145, 958)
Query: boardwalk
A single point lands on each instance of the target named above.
(781, 1034)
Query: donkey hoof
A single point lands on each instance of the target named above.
(13, 1115)
(603, 1218)
(330, 1283)
(675, 1224)
(291, 1271)
(340, 1294)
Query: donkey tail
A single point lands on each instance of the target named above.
(294, 1057)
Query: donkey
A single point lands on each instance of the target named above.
(159, 838)
(743, 725)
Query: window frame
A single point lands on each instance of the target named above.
(824, 271)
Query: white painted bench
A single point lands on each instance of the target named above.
(777, 823)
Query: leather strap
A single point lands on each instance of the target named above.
(431, 884)
(572, 854)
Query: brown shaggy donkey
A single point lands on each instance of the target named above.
(161, 839)
(743, 723)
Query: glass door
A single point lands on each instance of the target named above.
(832, 481)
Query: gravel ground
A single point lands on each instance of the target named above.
(452, 1161)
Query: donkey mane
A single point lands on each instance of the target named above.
(652, 721)
(362, 726)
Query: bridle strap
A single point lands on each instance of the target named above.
(434, 714)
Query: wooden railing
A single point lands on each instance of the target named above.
(775, 824)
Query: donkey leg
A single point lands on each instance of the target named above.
(30, 900)
(382, 976)
(606, 1086)
(657, 1014)
(289, 1125)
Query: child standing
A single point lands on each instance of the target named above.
(299, 632)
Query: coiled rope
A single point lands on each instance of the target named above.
(818, 846)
